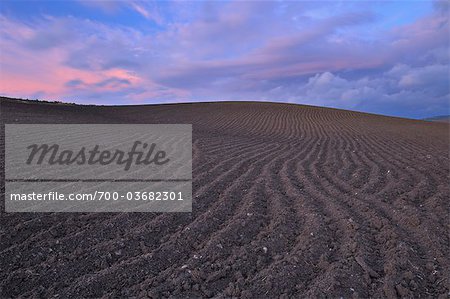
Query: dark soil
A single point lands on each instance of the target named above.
(290, 201)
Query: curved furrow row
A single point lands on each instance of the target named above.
(339, 191)
(308, 250)
(99, 260)
(420, 187)
(186, 241)
(246, 229)
(359, 242)
(289, 201)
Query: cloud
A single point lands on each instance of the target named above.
(147, 10)
(337, 55)
(430, 75)
(108, 6)
(90, 66)
(74, 83)
(417, 91)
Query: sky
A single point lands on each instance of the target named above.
(384, 57)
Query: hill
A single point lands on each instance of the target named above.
(289, 201)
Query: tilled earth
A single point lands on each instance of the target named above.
(290, 201)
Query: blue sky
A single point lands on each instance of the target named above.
(387, 57)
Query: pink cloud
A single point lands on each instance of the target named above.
(224, 50)
(28, 72)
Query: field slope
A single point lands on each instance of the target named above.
(289, 201)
